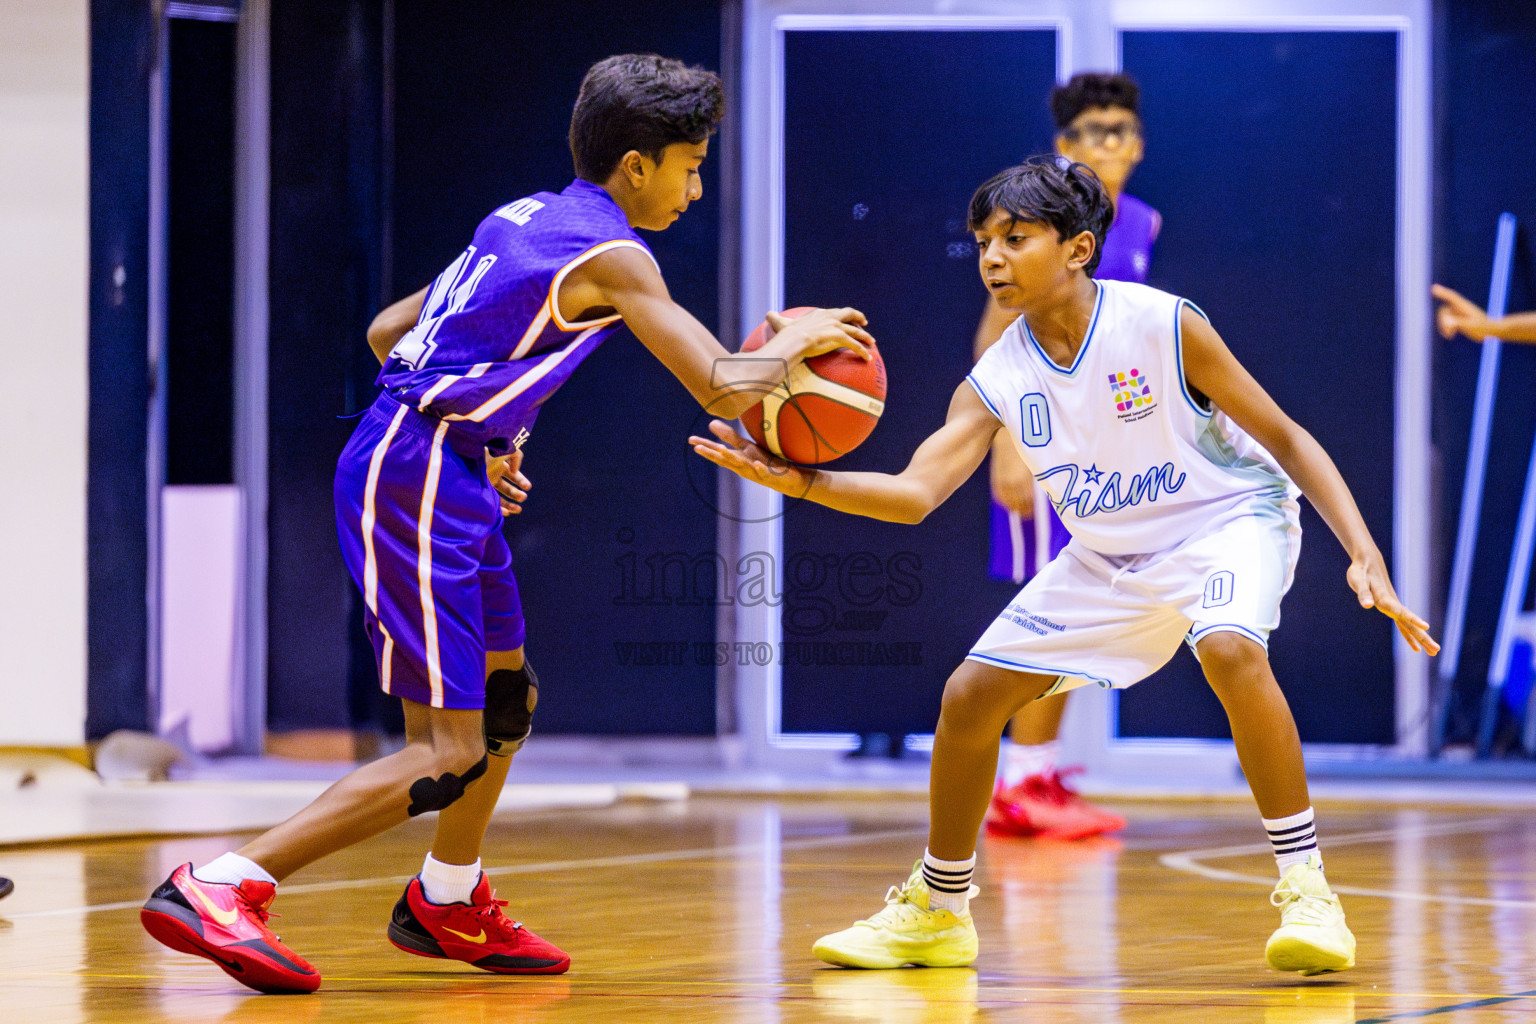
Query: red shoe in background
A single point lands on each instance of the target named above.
(228, 925)
(478, 933)
(1043, 805)
(1008, 813)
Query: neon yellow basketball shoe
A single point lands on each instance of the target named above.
(905, 932)
(1312, 937)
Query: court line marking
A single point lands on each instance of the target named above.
(624, 860)
(1180, 861)
(1411, 1014)
(679, 988)
(1189, 862)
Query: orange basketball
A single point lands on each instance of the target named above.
(825, 407)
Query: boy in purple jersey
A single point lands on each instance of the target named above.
(467, 363)
(1098, 123)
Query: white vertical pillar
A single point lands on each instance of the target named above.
(1413, 519)
(45, 55)
(250, 363)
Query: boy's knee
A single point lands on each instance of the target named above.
(970, 705)
(1225, 655)
(461, 754)
(510, 696)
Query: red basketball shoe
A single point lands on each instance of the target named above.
(228, 925)
(478, 933)
(1008, 814)
(1043, 805)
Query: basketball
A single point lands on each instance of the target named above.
(824, 408)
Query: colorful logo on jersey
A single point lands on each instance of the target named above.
(1131, 390)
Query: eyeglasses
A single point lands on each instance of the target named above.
(1099, 134)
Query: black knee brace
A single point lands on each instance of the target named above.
(510, 696)
(435, 794)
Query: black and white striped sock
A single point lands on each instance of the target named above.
(1293, 837)
(949, 882)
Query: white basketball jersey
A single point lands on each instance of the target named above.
(1132, 463)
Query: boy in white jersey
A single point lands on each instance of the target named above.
(1098, 122)
(1174, 471)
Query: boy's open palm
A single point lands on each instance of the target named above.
(1373, 587)
(739, 455)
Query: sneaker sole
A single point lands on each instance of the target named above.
(1082, 831)
(163, 920)
(408, 943)
(404, 940)
(1306, 959)
(877, 961)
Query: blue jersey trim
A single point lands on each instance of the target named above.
(1229, 627)
(983, 396)
(1178, 354)
(1098, 304)
(1049, 670)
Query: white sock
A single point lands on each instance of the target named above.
(949, 882)
(232, 869)
(1294, 838)
(1020, 761)
(448, 883)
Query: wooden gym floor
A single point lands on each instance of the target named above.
(705, 910)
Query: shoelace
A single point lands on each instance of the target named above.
(262, 913)
(491, 914)
(1306, 907)
(899, 908)
(1050, 790)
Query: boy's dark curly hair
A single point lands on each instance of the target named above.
(1089, 89)
(1048, 190)
(642, 102)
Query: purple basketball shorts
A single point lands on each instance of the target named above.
(420, 531)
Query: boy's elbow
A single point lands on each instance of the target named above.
(915, 511)
(729, 404)
(727, 407)
(378, 334)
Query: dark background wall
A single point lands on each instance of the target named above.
(1279, 192)
(878, 171)
(1485, 118)
(200, 252)
(327, 215)
(122, 57)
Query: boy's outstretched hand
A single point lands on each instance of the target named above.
(739, 455)
(1458, 314)
(1371, 584)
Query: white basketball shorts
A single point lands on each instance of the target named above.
(1092, 618)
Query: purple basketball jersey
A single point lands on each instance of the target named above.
(419, 524)
(1128, 245)
(490, 345)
